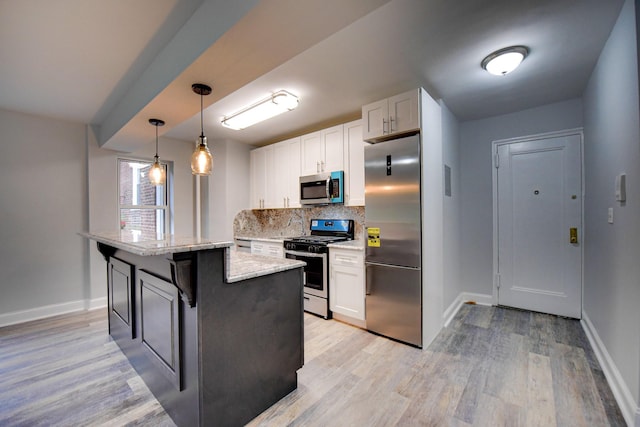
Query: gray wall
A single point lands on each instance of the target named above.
(227, 190)
(43, 202)
(476, 206)
(612, 267)
(103, 197)
(451, 206)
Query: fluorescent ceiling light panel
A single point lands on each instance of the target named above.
(277, 103)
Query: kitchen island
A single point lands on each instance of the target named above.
(216, 335)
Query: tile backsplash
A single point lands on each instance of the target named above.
(293, 222)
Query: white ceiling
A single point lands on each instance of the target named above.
(116, 63)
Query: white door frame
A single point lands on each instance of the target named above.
(494, 151)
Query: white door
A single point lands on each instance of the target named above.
(539, 202)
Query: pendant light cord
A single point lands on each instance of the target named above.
(201, 117)
(156, 142)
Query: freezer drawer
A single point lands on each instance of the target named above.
(394, 302)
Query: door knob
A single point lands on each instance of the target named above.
(573, 235)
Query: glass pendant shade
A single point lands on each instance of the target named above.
(201, 159)
(157, 174)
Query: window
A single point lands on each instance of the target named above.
(143, 207)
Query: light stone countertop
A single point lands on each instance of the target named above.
(239, 266)
(155, 244)
(271, 239)
(353, 245)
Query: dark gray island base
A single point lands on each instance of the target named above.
(212, 352)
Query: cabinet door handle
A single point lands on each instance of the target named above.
(321, 165)
(287, 202)
(384, 122)
(391, 120)
(317, 166)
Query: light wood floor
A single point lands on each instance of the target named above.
(492, 366)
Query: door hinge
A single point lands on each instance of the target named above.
(497, 279)
(497, 161)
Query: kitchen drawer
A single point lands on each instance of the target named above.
(346, 258)
(275, 250)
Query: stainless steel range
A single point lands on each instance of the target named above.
(313, 250)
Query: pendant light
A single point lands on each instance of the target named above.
(157, 174)
(201, 159)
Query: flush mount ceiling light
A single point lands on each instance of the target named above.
(505, 60)
(157, 174)
(201, 159)
(277, 103)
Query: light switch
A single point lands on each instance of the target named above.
(610, 216)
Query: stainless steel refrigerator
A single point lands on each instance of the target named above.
(394, 245)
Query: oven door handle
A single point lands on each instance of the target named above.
(305, 254)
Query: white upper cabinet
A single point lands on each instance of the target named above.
(354, 162)
(286, 169)
(258, 182)
(293, 165)
(391, 116)
(275, 173)
(322, 151)
(332, 143)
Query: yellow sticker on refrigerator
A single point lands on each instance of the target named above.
(373, 237)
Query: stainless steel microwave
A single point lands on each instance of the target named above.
(322, 189)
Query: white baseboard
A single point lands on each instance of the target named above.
(463, 297)
(97, 303)
(630, 410)
(22, 316)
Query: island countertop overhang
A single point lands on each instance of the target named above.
(154, 244)
(238, 266)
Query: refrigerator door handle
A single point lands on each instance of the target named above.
(391, 265)
(367, 287)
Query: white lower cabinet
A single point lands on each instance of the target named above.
(346, 284)
(271, 249)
